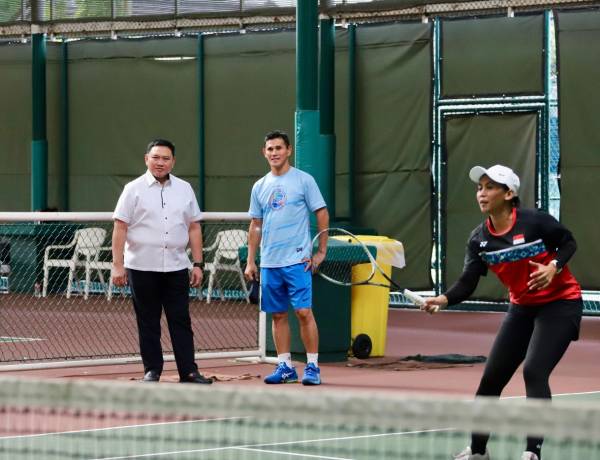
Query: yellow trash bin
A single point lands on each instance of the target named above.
(369, 304)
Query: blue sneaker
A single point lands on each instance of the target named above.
(283, 374)
(312, 375)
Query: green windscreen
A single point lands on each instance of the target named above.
(15, 127)
(54, 128)
(492, 56)
(123, 94)
(578, 38)
(250, 82)
(393, 173)
(342, 120)
(483, 140)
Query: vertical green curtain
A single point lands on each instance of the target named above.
(54, 125)
(393, 171)
(578, 38)
(483, 140)
(492, 56)
(249, 91)
(122, 94)
(15, 127)
(341, 123)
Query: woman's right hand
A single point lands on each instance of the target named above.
(434, 304)
(119, 275)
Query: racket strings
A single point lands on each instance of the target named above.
(347, 260)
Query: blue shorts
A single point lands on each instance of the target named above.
(283, 286)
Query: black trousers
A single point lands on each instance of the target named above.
(538, 336)
(151, 292)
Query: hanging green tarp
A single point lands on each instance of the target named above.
(483, 140)
(578, 38)
(393, 173)
(341, 113)
(492, 56)
(122, 95)
(249, 87)
(54, 125)
(15, 127)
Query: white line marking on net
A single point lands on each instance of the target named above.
(284, 443)
(279, 452)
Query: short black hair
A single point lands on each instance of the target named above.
(161, 143)
(515, 201)
(278, 134)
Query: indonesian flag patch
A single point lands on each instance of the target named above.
(518, 239)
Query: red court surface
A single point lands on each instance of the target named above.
(410, 332)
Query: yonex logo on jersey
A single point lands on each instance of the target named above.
(483, 244)
(277, 199)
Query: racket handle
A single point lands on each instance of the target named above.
(413, 297)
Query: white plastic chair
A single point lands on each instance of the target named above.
(99, 265)
(226, 258)
(86, 244)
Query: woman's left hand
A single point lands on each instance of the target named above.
(542, 276)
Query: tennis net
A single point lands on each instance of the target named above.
(56, 419)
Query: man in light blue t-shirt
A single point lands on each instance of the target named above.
(280, 207)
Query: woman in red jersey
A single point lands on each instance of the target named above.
(528, 250)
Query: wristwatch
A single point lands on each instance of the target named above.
(200, 265)
(555, 263)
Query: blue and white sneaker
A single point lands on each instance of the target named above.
(283, 374)
(312, 375)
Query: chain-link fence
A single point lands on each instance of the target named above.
(58, 302)
(99, 17)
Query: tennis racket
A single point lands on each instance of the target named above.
(345, 250)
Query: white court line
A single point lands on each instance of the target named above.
(122, 427)
(555, 395)
(279, 452)
(7, 339)
(577, 394)
(251, 445)
(283, 443)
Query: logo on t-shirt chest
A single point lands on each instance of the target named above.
(518, 239)
(277, 199)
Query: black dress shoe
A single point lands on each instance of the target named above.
(196, 377)
(151, 376)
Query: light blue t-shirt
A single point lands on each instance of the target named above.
(284, 204)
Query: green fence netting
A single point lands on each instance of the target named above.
(15, 126)
(484, 140)
(249, 91)
(393, 175)
(492, 56)
(122, 95)
(580, 137)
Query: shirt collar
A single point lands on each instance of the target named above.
(151, 180)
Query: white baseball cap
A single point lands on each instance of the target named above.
(498, 173)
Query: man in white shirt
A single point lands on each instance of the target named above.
(157, 215)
